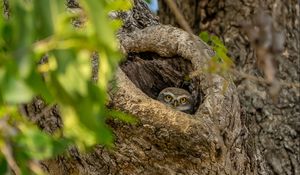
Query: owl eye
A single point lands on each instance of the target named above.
(183, 100)
(168, 98)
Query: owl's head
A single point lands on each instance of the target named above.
(177, 98)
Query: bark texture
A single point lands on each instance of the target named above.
(165, 141)
(213, 140)
(273, 137)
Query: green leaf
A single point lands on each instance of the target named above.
(73, 128)
(75, 76)
(218, 43)
(60, 145)
(104, 34)
(43, 18)
(118, 5)
(7, 34)
(43, 27)
(3, 165)
(228, 61)
(38, 144)
(204, 36)
(16, 91)
(36, 83)
(122, 116)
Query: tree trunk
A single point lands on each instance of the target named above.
(216, 138)
(272, 140)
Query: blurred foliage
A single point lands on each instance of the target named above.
(40, 28)
(220, 63)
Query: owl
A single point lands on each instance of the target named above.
(177, 98)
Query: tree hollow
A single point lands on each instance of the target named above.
(152, 73)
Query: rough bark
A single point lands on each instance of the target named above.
(213, 140)
(273, 128)
(165, 141)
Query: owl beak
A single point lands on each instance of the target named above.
(175, 103)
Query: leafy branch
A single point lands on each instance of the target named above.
(43, 28)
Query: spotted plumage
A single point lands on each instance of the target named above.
(177, 98)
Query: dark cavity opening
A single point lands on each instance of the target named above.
(152, 73)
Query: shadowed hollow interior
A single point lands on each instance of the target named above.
(152, 73)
